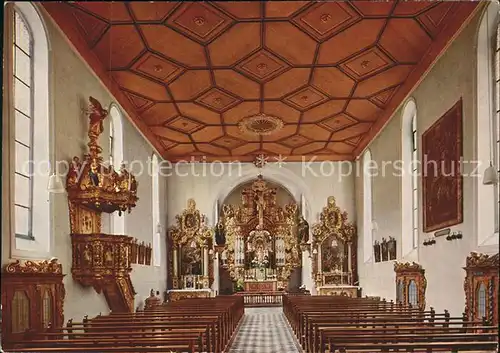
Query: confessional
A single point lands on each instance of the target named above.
(334, 266)
(32, 298)
(481, 287)
(410, 284)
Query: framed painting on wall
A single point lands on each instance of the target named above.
(442, 180)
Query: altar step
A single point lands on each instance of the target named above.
(264, 330)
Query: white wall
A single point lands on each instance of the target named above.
(72, 83)
(452, 77)
(316, 181)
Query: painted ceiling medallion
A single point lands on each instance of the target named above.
(260, 124)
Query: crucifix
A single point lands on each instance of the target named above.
(259, 188)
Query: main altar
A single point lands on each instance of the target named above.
(258, 241)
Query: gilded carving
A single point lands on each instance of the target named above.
(482, 269)
(100, 260)
(261, 236)
(334, 248)
(49, 267)
(93, 185)
(482, 260)
(191, 240)
(333, 221)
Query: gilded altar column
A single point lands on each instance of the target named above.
(175, 261)
(349, 264)
(205, 261)
(320, 268)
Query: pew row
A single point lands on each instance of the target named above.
(191, 325)
(342, 324)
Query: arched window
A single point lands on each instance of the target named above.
(26, 142)
(412, 294)
(409, 178)
(488, 125)
(116, 159)
(481, 301)
(367, 206)
(155, 173)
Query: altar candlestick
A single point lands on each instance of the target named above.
(216, 212)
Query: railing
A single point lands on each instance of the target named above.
(261, 299)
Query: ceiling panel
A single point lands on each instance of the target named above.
(328, 75)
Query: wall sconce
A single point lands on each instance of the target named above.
(428, 242)
(55, 185)
(454, 235)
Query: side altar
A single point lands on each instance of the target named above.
(334, 264)
(257, 240)
(190, 243)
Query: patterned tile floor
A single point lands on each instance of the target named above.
(264, 330)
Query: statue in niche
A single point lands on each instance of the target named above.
(108, 256)
(87, 255)
(220, 234)
(302, 230)
(94, 172)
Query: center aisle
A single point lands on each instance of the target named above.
(264, 330)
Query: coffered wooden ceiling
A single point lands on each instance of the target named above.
(188, 72)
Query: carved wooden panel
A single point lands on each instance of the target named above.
(410, 284)
(481, 287)
(188, 73)
(32, 298)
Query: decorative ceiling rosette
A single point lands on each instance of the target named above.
(260, 124)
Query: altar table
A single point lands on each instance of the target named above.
(345, 290)
(261, 286)
(178, 294)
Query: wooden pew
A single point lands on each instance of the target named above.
(340, 324)
(191, 325)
